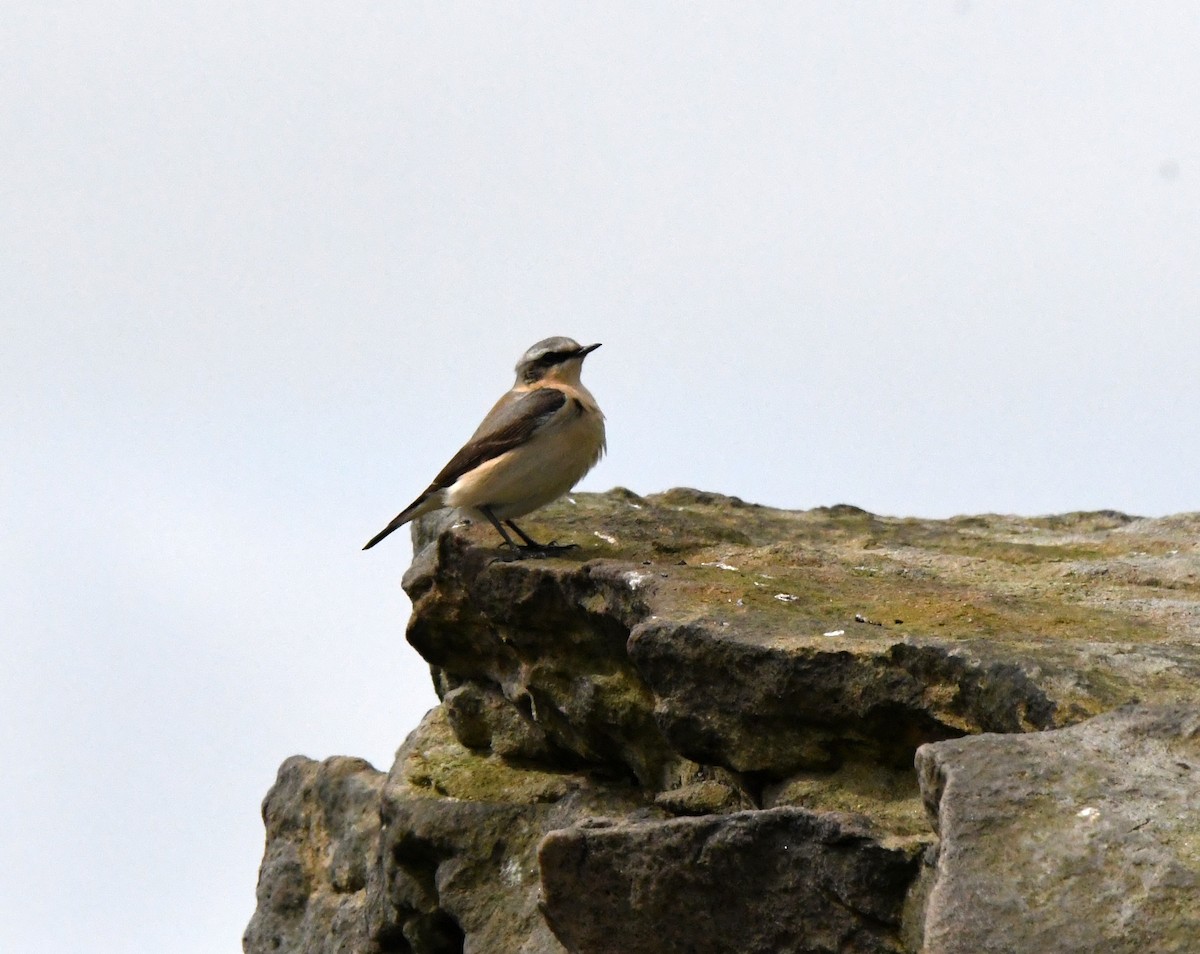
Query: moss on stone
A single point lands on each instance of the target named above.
(440, 767)
(890, 798)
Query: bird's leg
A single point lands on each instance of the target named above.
(487, 512)
(528, 540)
(528, 547)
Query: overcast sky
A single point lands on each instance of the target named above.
(265, 265)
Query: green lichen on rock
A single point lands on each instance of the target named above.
(690, 626)
(458, 844)
(890, 798)
(441, 767)
(710, 673)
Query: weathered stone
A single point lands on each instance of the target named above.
(779, 881)
(767, 675)
(322, 822)
(482, 719)
(547, 637)
(457, 868)
(890, 797)
(1076, 840)
(775, 642)
(704, 790)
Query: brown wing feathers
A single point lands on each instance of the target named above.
(512, 429)
(513, 426)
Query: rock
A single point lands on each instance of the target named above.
(705, 680)
(705, 796)
(1075, 840)
(779, 881)
(483, 719)
(730, 635)
(457, 860)
(890, 797)
(322, 824)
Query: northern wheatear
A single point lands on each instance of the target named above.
(534, 445)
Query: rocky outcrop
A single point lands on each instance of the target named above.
(697, 733)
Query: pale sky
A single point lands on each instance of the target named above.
(265, 265)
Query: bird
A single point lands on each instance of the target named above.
(534, 445)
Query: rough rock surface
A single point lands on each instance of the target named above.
(697, 672)
(789, 881)
(1079, 839)
(457, 865)
(322, 826)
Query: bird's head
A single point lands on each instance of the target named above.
(553, 359)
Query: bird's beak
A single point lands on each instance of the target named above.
(588, 349)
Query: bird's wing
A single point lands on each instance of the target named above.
(514, 419)
(510, 424)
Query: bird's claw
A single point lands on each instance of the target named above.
(552, 548)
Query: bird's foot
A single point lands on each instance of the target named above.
(536, 551)
(553, 548)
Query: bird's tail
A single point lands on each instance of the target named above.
(422, 505)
